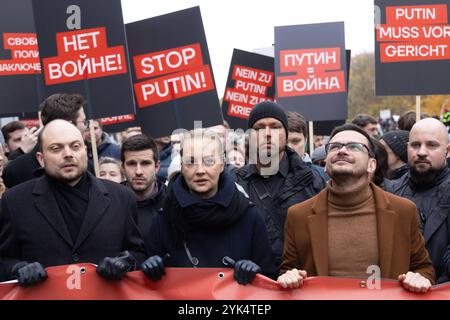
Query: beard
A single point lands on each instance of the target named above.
(424, 178)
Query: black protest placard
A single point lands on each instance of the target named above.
(20, 69)
(83, 50)
(311, 71)
(412, 47)
(118, 123)
(250, 81)
(171, 68)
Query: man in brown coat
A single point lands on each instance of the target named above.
(352, 224)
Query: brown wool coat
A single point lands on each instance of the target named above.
(401, 245)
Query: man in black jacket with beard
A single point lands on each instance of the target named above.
(428, 186)
(67, 216)
(140, 162)
(276, 177)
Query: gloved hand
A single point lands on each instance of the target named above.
(114, 268)
(154, 268)
(244, 270)
(29, 273)
(447, 261)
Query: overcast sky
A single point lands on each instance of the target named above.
(249, 24)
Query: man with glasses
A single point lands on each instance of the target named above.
(427, 185)
(353, 225)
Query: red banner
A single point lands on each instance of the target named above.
(81, 282)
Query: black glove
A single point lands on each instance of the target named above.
(29, 273)
(447, 261)
(244, 270)
(114, 268)
(154, 268)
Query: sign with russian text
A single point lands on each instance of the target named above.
(118, 123)
(172, 75)
(83, 50)
(311, 70)
(20, 68)
(250, 81)
(412, 47)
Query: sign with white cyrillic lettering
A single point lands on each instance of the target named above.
(311, 70)
(89, 58)
(20, 69)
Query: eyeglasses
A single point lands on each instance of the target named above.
(84, 122)
(350, 146)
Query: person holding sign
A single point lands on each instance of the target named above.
(353, 226)
(276, 177)
(67, 216)
(206, 219)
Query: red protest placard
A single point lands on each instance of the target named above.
(250, 88)
(416, 15)
(83, 54)
(316, 72)
(168, 61)
(173, 86)
(183, 70)
(24, 53)
(414, 33)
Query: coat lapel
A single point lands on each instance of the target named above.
(386, 219)
(45, 203)
(318, 230)
(98, 203)
(439, 214)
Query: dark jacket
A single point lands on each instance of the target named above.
(32, 227)
(106, 148)
(399, 172)
(15, 154)
(300, 184)
(244, 239)
(147, 209)
(21, 169)
(433, 205)
(165, 158)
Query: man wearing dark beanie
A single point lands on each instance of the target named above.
(276, 177)
(396, 144)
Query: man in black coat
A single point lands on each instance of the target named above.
(428, 185)
(140, 161)
(64, 106)
(67, 216)
(276, 177)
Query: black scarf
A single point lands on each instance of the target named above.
(72, 202)
(186, 212)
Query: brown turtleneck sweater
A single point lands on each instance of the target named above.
(352, 231)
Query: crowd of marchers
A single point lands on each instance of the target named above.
(205, 198)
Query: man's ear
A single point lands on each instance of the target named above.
(371, 166)
(40, 158)
(157, 166)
